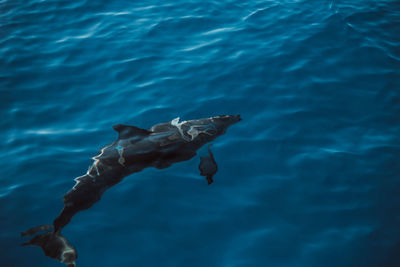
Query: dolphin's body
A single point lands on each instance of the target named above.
(136, 149)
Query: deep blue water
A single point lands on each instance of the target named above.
(309, 177)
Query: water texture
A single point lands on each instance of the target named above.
(310, 177)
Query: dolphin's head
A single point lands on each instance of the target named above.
(222, 123)
(207, 129)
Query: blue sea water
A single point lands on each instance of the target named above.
(309, 177)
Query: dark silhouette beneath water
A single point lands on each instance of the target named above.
(135, 149)
(208, 167)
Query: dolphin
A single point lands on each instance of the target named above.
(160, 146)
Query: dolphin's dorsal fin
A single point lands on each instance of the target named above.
(126, 131)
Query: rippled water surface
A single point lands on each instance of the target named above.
(309, 177)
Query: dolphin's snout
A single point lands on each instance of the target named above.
(234, 118)
(224, 121)
(237, 117)
(229, 117)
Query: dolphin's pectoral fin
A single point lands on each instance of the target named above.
(209, 179)
(201, 166)
(208, 167)
(126, 131)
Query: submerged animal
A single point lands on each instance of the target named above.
(135, 149)
(208, 167)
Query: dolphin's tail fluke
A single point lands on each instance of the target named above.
(36, 229)
(53, 244)
(25, 244)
